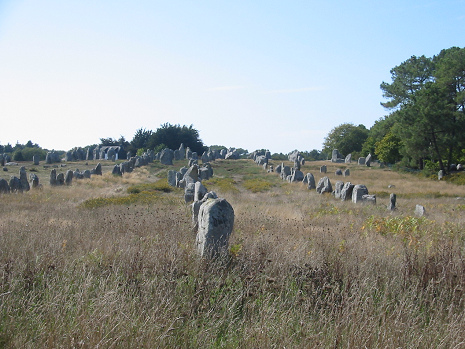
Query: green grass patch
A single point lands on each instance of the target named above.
(224, 185)
(161, 185)
(455, 178)
(140, 198)
(398, 226)
(426, 195)
(257, 185)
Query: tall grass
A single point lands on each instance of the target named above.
(304, 270)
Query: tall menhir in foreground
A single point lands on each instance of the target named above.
(216, 220)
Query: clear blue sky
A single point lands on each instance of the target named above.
(252, 74)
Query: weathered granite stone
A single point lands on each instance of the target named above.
(346, 191)
(86, 174)
(323, 169)
(60, 179)
(15, 185)
(116, 171)
(420, 210)
(4, 186)
(309, 179)
(348, 159)
(440, 175)
(369, 199)
(192, 174)
(459, 167)
(35, 160)
(167, 156)
(111, 154)
(53, 177)
(361, 161)
(189, 192)
(297, 176)
(195, 206)
(358, 192)
(216, 221)
(324, 186)
(392, 202)
(368, 160)
(279, 168)
(346, 172)
(336, 156)
(338, 172)
(199, 191)
(293, 156)
(285, 172)
(338, 189)
(69, 177)
(97, 170)
(34, 180)
(23, 178)
(172, 178)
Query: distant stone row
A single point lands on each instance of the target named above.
(338, 157)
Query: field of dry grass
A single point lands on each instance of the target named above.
(83, 267)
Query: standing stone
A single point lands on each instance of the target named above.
(361, 161)
(199, 191)
(285, 171)
(348, 159)
(338, 189)
(392, 202)
(279, 168)
(368, 160)
(338, 172)
(440, 175)
(420, 211)
(324, 186)
(369, 199)
(216, 221)
(34, 180)
(15, 185)
(69, 177)
(297, 176)
(167, 156)
(4, 186)
(177, 155)
(358, 192)
(53, 177)
(323, 169)
(336, 156)
(35, 160)
(172, 178)
(310, 180)
(116, 170)
(86, 174)
(23, 178)
(346, 191)
(60, 179)
(111, 154)
(2, 160)
(189, 192)
(346, 172)
(182, 152)
(97, 170)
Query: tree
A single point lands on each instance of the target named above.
(140, 140)
(173, 135)
(388, 149)
(377, 132)
(427, 96)
(346, 138)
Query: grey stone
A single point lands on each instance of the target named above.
(324, 186)
(199, 191)
(15, 185)
(195, 207)
(35, 160)
(440, 175)
(346, 191)
(23, 179)
(336, 156)
(172, 178)
(309, 179)
(189, 192)
(167, 156)
(297, 176)
(323, 169)
(358, 192)
(69, 177)
(216, 221)
(338, 189)
(346, 172)
(34, 180)
(338, 172)
(348, 159)
(53, 177)
(369, 199)
(60, 179)
(116, 170)
(4, 186)
(368, 160)
(420, 211)
(392, 202)
(361, 161)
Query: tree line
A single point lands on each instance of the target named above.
(426, 124)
